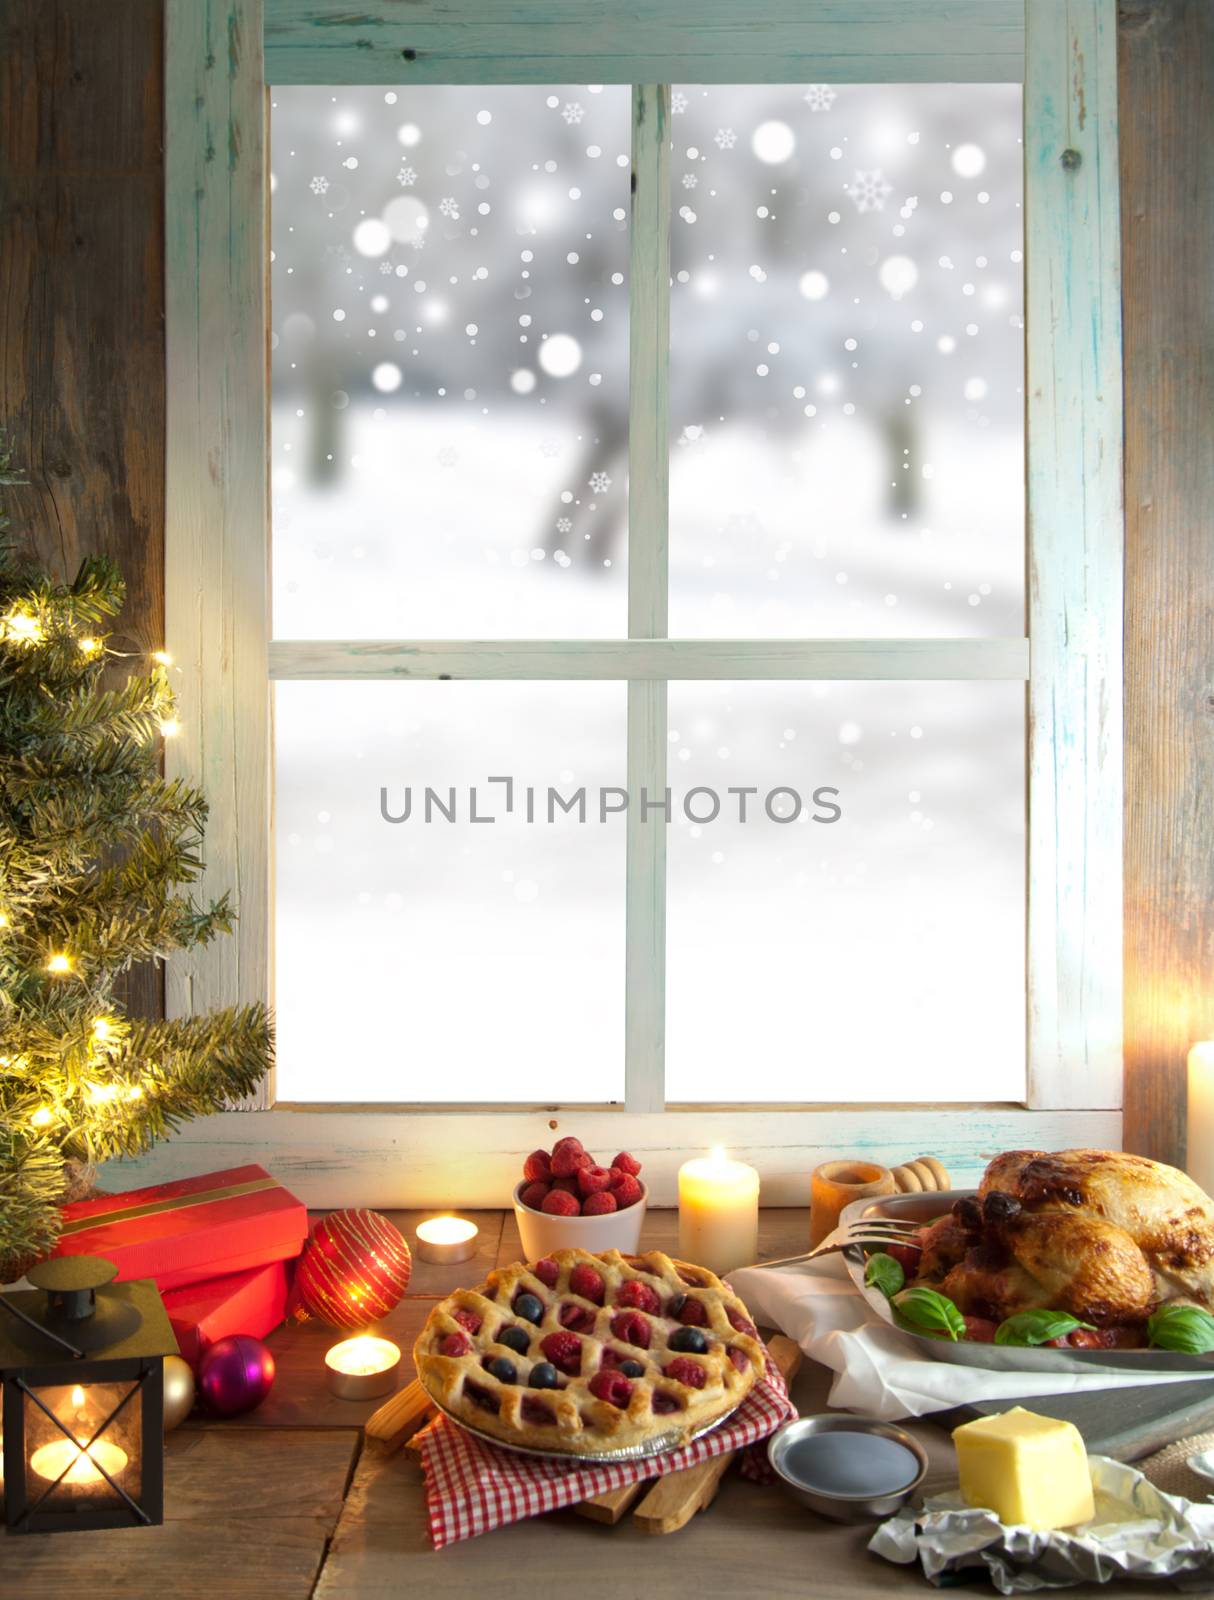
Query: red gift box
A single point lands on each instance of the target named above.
(197, 1228)
(242, 1302)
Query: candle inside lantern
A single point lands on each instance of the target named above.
(1201, 1114)
(447, 1240)
(362, 1368)
(64, 1458)
(718, 1212)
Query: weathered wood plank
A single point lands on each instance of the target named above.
(82, 304)
(1072, 249)
(580, 41)
(1167, 175)
(636, 659)
(247, 1516)
(216, 514)
(390, 1158)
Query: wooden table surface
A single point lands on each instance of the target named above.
(286, 1504)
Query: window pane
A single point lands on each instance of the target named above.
(847, 450)
(448, 960)
(450, 361)
(876, 957)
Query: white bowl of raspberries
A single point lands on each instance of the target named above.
(567, 1200)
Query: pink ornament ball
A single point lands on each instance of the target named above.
(235, 1374)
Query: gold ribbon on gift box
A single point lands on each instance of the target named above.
(150, 1208)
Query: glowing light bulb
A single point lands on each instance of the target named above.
(134, 1092)
(170, 727)
(103, 1028)
(4, 922)
(89, 646)
(22, 628)
(59, 963)
(162, 658)
(41, 1117)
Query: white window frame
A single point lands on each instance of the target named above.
(219, 58)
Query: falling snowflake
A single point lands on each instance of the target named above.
(869, 190)
(691, 434)
(420, 242)
(820, 97)
(406, 177)
(678, 102)
(449, 207)
(572, 111)
(448, 456)
(550, 448)
(600, 482)
(690, 180)
(725, 138)
(319, 185)
(385, 267)
(564, 525)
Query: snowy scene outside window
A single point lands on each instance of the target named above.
(450, 327)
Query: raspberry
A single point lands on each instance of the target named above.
(534, 1195)
(538, 1167)
(560, 1203)
(547, 1271)
(568, 1143)
(578, 1319)
(684, 1370)
(564, 1350)
(626, 1189)
(693, 1313)
(468, 1319)
(738, 1321)
(739, 1358)
(567, 1161)
(591, 1179)
(635, 1293)
(588, 1283)
(598, 1205)
(610, 1386)
(567, 1186)
(630, 1327)
(627, 1163)
(453, 1344)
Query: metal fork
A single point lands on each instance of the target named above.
(860, 1231)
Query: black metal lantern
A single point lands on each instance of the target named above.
(82, 1375)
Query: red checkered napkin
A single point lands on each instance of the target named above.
(473, 1487)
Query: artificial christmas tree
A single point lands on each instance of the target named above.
(97, 853)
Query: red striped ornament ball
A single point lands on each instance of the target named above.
(353, 1270)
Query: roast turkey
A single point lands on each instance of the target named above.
(1104, 1235)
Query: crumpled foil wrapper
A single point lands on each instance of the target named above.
(1137, 1532)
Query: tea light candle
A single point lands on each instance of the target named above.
(446, 1240)
(76, 1465)
(1200, 1163)
(718, 1212)
(362, 1368)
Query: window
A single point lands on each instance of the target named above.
(712, 480)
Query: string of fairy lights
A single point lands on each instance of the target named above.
(24, 628)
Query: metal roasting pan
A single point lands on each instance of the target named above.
(996, 1357)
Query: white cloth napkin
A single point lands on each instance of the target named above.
(877, 1369)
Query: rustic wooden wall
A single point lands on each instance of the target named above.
(82, 297)
(1167, 175)
(82, 391)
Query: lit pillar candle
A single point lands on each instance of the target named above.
(1201, 1115)
(718, 1212)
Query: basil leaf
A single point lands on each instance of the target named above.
(1037, 1327)
(1186, 1328)
(924, 1311)
(884, 1273)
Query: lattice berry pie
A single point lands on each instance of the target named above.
(583, 1354)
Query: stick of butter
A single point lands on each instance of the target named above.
(1030, 1471)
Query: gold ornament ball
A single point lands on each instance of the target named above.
(178, 1391)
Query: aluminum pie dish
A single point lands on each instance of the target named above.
(843, 1507)
(658, 1445)
(924, 1208)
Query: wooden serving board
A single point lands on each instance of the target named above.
(1126, 1424)
(663, 1506)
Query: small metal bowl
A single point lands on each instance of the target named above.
(843, 1507)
